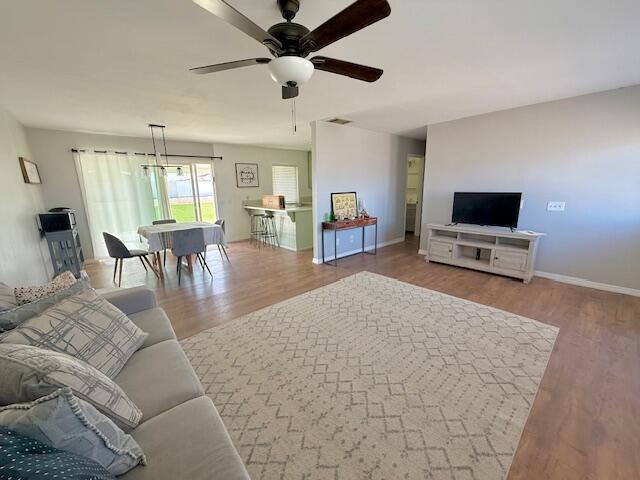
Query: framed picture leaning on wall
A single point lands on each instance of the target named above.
(247, 175)
(344, 205)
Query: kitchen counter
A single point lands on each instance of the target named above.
(293, 224)
(288, 209)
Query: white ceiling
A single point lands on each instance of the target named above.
(113, 66)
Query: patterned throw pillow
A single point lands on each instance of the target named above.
(67, 423)
(31, 294)
(7, 298)
(85, 326)
(12, 318)
(24, 458)
(29, 373)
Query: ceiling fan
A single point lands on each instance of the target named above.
(290, 43)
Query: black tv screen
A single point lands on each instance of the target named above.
(495, 209)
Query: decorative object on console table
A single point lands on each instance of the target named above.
(344, 205)
(337, 225)
(247, 175)
(30, 171)
(489, 249)
(273, 201)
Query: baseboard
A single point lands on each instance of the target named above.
(318, 261)
(582, 282)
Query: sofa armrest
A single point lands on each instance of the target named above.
(131, 300)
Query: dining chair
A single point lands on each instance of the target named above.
(221, 247)
(120, 251)
(165, 238)
(189, 242)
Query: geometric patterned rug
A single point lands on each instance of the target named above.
(373, 378)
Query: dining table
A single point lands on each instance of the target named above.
(155, 237)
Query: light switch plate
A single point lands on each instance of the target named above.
(555, 206)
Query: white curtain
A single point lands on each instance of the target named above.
(118, 197)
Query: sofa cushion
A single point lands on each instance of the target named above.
(156, 323)
(86, 327)
(7, 298)
(188, 441)
(24, 458)
(63, 421)
(158, 378)
(15, 316)
(29, 372)
(37, 292)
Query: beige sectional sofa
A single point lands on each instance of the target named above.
(181, 432)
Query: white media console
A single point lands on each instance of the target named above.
(490, 249)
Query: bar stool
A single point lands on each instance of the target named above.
(257, 229)
(270, 236)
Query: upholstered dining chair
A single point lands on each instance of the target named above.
(221, 247)
(189, 242)
(120, 251)
(165, 238)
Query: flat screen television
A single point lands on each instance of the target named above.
(490, 208)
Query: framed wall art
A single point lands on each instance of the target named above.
(247, 175)
(30, 172)
(344, 205)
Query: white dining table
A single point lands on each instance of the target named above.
(213, 235)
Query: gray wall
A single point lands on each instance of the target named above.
(373, 164)
(584, 150)
(23, 256)
(52, 150)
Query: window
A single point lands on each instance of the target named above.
(285, 182)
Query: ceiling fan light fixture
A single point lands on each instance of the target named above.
(289, 69)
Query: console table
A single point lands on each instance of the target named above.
(489, 249)
(349, 225)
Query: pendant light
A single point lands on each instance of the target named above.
(162, 169)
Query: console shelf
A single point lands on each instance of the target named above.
(490, 249)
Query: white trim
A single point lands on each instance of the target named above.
(582, 282)
(368, 248)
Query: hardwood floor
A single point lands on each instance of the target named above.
(585, 421)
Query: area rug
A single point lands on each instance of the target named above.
(372, 378)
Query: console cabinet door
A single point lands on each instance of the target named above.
(509, 260)
(441, 250)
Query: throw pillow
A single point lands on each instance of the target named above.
(31, 294)
(15, 316)
(7, 298)
(85, 326)
(68, 423)
(29, 373)
(24, 458)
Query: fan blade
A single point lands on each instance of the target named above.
(355, 17)
(226, 12)
(219, 67)
(348, 69)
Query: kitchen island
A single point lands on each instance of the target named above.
(293, 224)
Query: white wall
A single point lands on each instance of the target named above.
(23, 256)
(52, 150)
(584, 151)
(373, 164)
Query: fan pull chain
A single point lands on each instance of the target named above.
(293, 115)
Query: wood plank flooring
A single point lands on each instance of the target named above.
(585, 422)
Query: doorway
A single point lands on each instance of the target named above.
(415, 181)
(191, 193)
(187, 193)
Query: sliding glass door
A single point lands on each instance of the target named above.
(119, 198)
(191, 192)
